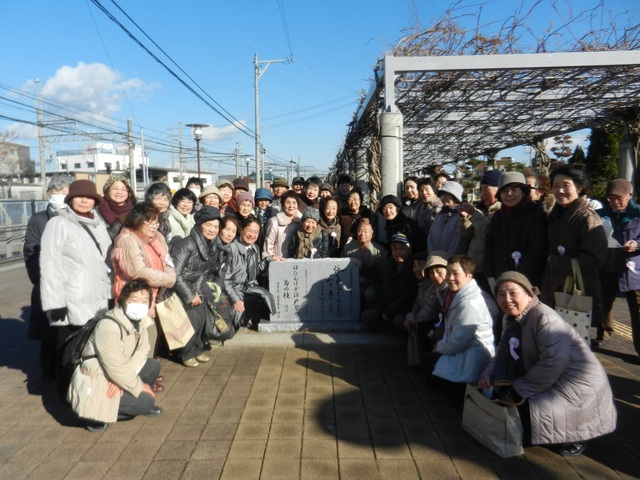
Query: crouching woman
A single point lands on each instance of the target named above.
(566, 393)
(114, 379)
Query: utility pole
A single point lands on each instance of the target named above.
(257, 74)
(132, 162)
(43, 173)
(180, 157)
(238, 152)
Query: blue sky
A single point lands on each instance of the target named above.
(91, 67)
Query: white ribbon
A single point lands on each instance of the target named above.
(334, 234)
(561, 250)
(313, 252)
(516, 257)
(632, 266)
(513, 344)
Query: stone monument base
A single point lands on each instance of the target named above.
(322, 326)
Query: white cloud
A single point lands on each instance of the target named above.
(222, 133)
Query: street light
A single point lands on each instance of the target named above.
(248, 160)
(197, 136)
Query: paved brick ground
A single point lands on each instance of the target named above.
(273, 406)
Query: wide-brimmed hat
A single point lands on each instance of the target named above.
(208, 190)
(280, 182)
(240, 183)
(225, 183)
(437, 258)
(452, 188)
(263, 194)
(83, 188)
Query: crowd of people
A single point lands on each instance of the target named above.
(429, 260)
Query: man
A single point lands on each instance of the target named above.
(411, 198)
(369, 257)
(279, 187)
(344, 187)
(297, 185)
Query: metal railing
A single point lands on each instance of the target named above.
(14, 215)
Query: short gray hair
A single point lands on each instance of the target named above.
(59, 181)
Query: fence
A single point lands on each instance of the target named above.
(14, 215)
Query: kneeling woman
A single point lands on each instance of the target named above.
(114, 380)
(567, 395)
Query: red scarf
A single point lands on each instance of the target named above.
(110, 211)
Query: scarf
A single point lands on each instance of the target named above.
(110, 211)
(88, 214)
(305, 242)
(507, 212)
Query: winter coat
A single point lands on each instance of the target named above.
(334, 233)
(279, 234)
(521, 229)
(408, 227)
(409, 207)
(319, 242)
(191, 258)
(116, 352)
(477, 225)
(349, 222)
(131, 258)
(578, 229)
(570, 399)
(371, 257)
(447, 233)
(467, 346)
(241, 273)
(180, 225)
(399, 287)
(425, 213)
(426, 306)
(73, 270)
(626, 226)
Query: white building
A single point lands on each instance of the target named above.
(97, 157)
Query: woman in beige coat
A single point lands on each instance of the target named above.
(113, 381)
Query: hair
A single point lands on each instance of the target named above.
(427, 181)
(132, 287)
(467, 263)
(197, 181)
(325, 200)
(58, 182)
(441, 174)
(155, 189)
(575, 172)
(542, 182)
(410, 178)
(313, 181)
(355, 191)
(287, 195)
(248, 221)
(230, 218)
(140, 213)
(183, 193)
(420, 256)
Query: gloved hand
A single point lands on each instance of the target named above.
(57, 314)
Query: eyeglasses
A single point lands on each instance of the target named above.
(509, 190)
(152, 223)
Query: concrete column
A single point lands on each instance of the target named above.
(626, 159)
(391, 163)
(362, 173)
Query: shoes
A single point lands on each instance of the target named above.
(160, 378)
(191, 362)
(571, 449)
(154, 412)
(215, 343)
(158, 387)
(202, 358)
(598, 342)
(96, 426)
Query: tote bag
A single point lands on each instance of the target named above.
(575, 307)
(496, 427)
(174, 321)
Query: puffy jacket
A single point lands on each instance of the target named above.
(240, 273)
(447, 233)
(191, 258)
(279, 234)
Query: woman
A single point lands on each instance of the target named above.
(228, 206)
(113, 381)
(447, 232)
(244, 265)
(310, 194)
(311, 241)
(140, 252)
(516, 239)
(191, 257)
(74, 279)
(244, 205)
(428, 206)
(281, 229)
(567, 395)
(397, 222)
(180, 216)
(118, 200)
(330, 224)
(57, 190)
(158, 196)
(575, 231)
(351, 215)
(540, 191)
(210, 196)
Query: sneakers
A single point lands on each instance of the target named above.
(154, 412)
(96, 427)
(571, 449)
(191, 362)
(202, 358)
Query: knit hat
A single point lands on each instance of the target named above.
(208, 190)
(225, 183)
(311, 213)
(206, 214)
(113, 178)
(297, 180)
(520, 279)
(390, 199)
(344, 179)
(619, 187)
(280, 182)
(492, 177)
(399, 238)
(245, 196)
(263, 194)
(83, 188)
(437, 258)
(452, 188)
(240, 183)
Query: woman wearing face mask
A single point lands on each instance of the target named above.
(38, 323)
(113, 381)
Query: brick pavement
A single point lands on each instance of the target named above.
(276, 406)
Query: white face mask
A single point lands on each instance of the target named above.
(196, 191)
(136, 311)
(57, 200)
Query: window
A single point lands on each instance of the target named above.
(91, 164)
(77, 165)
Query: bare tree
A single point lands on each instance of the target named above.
(10, 165)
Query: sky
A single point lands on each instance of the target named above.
(89, 68)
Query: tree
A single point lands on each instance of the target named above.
(578, 156)
(602, 158)
(10, 166)
(561, 149)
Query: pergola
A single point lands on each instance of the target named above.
(433, 110)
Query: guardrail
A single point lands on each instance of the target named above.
(11, 243)
(14, 215)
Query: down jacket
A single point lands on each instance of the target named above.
(467, 345)
(116, 352)
(279, 235)
(191, 258)
(570, 399)
(73, 271)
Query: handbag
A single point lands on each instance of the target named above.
(413, 346)
(496, 427)
(175, 323)
(575, 308)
